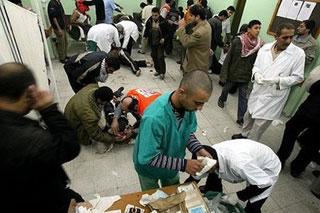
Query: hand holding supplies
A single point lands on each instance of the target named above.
(208, 164)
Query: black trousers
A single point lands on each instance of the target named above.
(294, 127)
(126, 60)
(157, 54)
(310, 145)
(242, 96)
(129, 45)
(254, 207)
(215, 65)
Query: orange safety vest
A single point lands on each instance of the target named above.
(144, 97)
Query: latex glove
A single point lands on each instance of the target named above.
(231, 198)
(258, 78)
(271, 81)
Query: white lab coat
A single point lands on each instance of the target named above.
(267, 101)
(130, 29)
(104, 35)
(246, 160)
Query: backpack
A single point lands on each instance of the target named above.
(82, 69)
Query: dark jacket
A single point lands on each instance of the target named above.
(216, 26)
(310, 108)
(82, 69)
(84, 114)
(32, 178)
(236, 68)
(55, 10)
(164, 29)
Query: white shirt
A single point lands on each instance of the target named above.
(146, 12)
(267, 101)
(246, 160)
(104, 35)
(226, 26)
(130, 29)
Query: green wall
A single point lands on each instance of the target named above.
(129, 6)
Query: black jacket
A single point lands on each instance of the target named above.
(82, 69)
(164, 29)
(310, 108)
(216, 38)
(55, 10)
(32, 178)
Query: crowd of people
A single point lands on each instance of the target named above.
(262, 73)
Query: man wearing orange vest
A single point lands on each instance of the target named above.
(136, 101)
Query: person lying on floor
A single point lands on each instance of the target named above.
(126, 59)
(136, 101)
(243, 160)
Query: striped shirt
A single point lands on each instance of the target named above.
(172, 163)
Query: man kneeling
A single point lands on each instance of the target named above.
(84, 112)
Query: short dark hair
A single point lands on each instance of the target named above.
(231, 8)
(310, 25)
(223, 13)
(168, 1)
(204, 3)
(288, 26)
(113, 61)
(149, 1)
(155, 10)
(191, 81)
(15, 78)
(253, 22)
(243, 28)
(198, 10)
(142, 5)
(189, 2)
(104, 94)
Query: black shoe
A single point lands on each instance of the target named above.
(162, 76)
(220, 103)
(240, 122)
(118, 93)
(156, 74)
(238, 136)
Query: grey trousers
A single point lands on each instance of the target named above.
(254, 128)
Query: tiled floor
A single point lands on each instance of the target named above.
(112, 173)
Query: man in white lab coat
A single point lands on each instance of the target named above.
(244, 160)
(279, 66)
(129, 34)
(102, 37)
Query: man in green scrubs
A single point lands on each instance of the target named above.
(167, 129)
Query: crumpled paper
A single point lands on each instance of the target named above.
(100, 204)
(146, 198)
